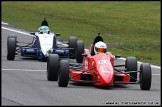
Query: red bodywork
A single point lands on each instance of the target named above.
(98, 69)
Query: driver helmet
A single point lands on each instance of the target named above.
(44, 29)
(100, 47)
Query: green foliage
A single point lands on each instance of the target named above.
(131, 28)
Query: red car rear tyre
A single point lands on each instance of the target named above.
(79, 51)
(131, 65)
(72, 44)
(52, 67)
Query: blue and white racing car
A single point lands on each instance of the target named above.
(46, 42)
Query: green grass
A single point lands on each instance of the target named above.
(129, 28)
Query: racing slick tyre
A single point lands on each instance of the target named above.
(63, 77)
(52, 67)
(11, 47)
(72, 44)
(145, 76)
(79, 51)
(131, 65)
(12, 36)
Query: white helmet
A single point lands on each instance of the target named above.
(100, 47)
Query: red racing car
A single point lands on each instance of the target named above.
(98, 69)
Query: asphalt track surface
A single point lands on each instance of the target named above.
(24, 82)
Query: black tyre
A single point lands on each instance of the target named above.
(54, 42)
(145, 76)
(72, 44)
(11, 47)
(52, 67)
(12, 36)
(79, 51)
(131, 65)
(63, 77)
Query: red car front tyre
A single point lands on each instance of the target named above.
(63, 77)
(145, 76)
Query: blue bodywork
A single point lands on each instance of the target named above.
(37, 53)
(35, 50)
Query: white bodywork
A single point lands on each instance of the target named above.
(46, 42)
(61, 45)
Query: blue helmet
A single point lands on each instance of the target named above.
(44, 29)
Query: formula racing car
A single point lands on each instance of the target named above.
(99, 69)
(44, 43)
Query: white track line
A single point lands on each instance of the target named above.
(16, 31)
(30, 70)
(22, 70)
(31, 35)
(142, 62)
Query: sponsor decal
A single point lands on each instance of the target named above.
(106, 72)
(86, 64)
(103, 62)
